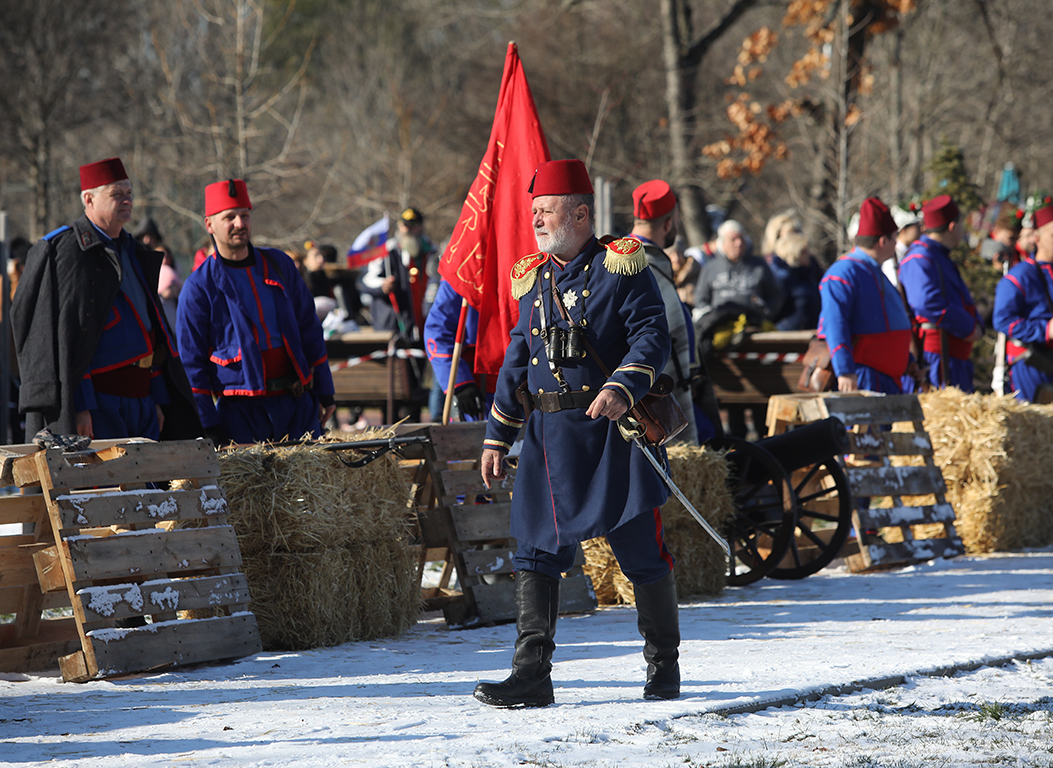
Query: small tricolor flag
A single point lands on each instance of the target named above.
(370, 245)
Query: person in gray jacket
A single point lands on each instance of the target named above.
(736, 277)
(656, 220)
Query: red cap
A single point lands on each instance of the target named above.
(224, 195)
(939, 212)
(1043, 215)
(107, 171)
(875, 219)
(653, 200)
(560, 177)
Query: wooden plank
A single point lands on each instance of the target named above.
(139, 507)
(483, 562)
(913, 551)
(468, 482)
(50, 575)
(890, 444)
(496, 602)
(54, 638)
(174, 643)
(875, 410)
(889, 517)
(140, 463)
(21, 509)
(141, 554)
(16, 565)
(11, 599)
(895, 481)
(479, 522)
(459, 441)
(119, 601)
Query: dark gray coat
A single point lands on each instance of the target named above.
(70, 282)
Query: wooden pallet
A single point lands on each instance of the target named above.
(472, 525)
(871, 473)
(107, 542)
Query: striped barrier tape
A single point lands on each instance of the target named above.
(765, 358)
(378, 355)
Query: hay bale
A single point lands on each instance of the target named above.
(700, 565)
(996, 454)
(326, 547)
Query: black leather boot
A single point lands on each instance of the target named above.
(529, 685)
(659, 623)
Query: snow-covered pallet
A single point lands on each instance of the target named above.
(872, 446)
(473, 525)
(109, 542)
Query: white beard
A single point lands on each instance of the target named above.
(556, 242)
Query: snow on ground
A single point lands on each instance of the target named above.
(943, 664)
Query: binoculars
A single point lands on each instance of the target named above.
(564, 344)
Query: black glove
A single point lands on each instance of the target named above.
(470, 401)
(218, 435)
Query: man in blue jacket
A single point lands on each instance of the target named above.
(1023, 311)
(938, 297)
(591, 339)
(863, 318)
(251, 342)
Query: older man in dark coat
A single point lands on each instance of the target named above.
(591, 339)
(95, 351)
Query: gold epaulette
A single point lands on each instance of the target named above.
(625, 256)
(524, 273)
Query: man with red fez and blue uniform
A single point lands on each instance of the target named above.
(942, 305)
(251, 341)
(472, 394)
(590, 340)
(656, 220)
(96, 354)
(1023, 311)
(863, 318)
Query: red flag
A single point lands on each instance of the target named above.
(494, 230)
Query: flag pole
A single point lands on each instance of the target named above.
(455, 360)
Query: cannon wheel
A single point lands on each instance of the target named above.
(824, 518)
(765, 510)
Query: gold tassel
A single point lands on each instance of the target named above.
(524, 273)
(625, 256)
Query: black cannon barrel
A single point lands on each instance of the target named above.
(807, 444)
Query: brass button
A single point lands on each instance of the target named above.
(537, 302)
(586, 293)
(584, 387)
(586, 267)
(534, 331)
(584, 321)
(534, 361)
(547, 275)
(540, 391)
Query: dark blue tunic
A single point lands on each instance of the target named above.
(1022, 312)
(577, 477)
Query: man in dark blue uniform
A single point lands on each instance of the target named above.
(251, 341)
(96, 354)
(472, 393)
(863, 319)
(1023, 311)
(590, 340)
(941, 302)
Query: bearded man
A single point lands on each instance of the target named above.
(590, 341)
(251, 341)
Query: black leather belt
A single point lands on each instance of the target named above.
(551, 402)
(288, 386)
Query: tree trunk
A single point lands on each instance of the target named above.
(680, 100)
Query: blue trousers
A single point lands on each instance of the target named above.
(1025, 381)
(261, 419)
(638, 545)
(116, 417)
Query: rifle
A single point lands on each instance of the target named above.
(373, 449)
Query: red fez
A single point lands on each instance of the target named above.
(653, 200)
(103, 172)
(560, 177)
(224, 195)
(1043, 215)
(939, 212)
(875, 219)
